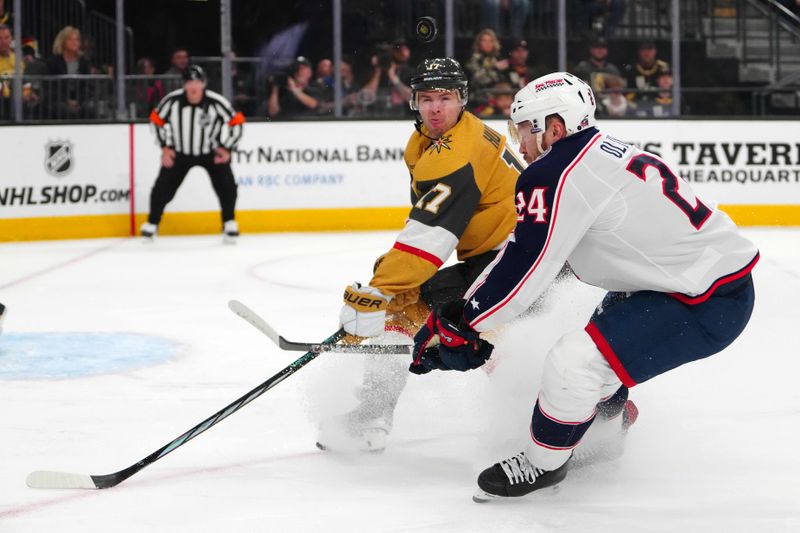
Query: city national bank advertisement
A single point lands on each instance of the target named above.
(95, 180)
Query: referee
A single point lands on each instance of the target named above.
(196, 127)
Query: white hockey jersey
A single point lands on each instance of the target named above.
(622, 220)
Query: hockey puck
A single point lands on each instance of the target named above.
(426, 29)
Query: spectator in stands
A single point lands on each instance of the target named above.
(351, 92)
(72, 98)
(484, 67)
(178, 61)
(148, 91)
(516, 11)
(7, 56)
(611, 101)
(32, 90)
(661, 105)
(643, 74)
(354, 101)
(596, 69)
(391, 78)
(5, 15)
(291, 94)
(519, 72)
(8, 62)
(501, 96)
(323, 75)
(323, 85)
(601, 17)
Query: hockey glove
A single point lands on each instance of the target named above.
(446, 342)
(364, 310)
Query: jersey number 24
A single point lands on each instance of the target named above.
(670, 185)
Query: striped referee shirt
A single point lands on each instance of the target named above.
(196, 129)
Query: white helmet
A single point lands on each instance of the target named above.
(557, 93)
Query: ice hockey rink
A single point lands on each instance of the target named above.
(112, 348)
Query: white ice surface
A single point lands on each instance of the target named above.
(715, 448)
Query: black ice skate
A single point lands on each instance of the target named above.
(515, 477)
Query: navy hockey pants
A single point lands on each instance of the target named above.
(646, 333)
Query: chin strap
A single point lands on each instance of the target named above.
(418, 125)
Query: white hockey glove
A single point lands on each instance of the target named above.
(364, 310)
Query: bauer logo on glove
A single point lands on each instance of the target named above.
(363, 301)
(446, 342)
(364, 310)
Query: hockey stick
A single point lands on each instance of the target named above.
(42, 479)
(260, 324)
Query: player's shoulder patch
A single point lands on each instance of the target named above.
(440, 159)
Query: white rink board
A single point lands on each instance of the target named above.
(733, 162)
(64, 170)
(298, 165)
(306, 165)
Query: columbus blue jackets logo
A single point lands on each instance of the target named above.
(58, 158)
(442, 143)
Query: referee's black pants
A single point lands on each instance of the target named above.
(169, 179)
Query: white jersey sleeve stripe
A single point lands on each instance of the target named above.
(432, 240)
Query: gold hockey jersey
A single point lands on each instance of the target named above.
(462, 194)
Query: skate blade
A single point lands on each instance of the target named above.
(482, 496)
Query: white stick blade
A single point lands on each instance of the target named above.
(252, 317)
(45, 479)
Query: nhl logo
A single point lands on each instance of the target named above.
(58, 158)
(204, 119)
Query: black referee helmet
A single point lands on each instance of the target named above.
(194, 72)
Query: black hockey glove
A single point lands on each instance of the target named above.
(459, 346)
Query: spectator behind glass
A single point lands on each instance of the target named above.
(391, 78)
(323, 76)
(5, 16)
(350, 90)
(613, 101)
(643, 74)
(352, 101)
(178, 63)
(596, 69)
(501, 96)
(7, 69)
(149, 91)
(32, 91)
(516, 11)
(291, 94)
(70, 98)
(322, 85)
(519, 72)
(661, 105)
(484, 67)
